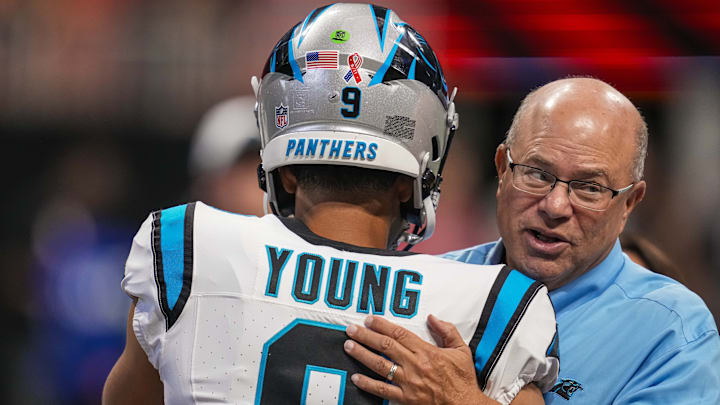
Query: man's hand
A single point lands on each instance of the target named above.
(426, 374)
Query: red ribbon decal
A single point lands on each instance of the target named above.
(355, 61)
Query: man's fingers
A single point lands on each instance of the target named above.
(447, 333)
(378, 388)
(401, 335)
(384, 344)
(374, 362)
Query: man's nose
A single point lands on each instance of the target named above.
(556, 204)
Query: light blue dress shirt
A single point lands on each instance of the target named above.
(627, 335)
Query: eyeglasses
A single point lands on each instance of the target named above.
(585, 194)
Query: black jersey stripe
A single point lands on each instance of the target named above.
(173, 259)
(499, 319)
(508, 333)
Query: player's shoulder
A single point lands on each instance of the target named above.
(486, 253)
(208, 212)
(197, 212)
(654, 294)
(195, 221)
(505, 280)
(449, 262)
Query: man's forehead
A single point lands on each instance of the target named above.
(583, 120)
(576, 157)
(592, 98)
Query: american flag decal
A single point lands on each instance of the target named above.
(322, 60)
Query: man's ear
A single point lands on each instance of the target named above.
(501, 164)
(288, 179)
(636, 195)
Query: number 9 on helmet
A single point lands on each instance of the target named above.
(353, 84)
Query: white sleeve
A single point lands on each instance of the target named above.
(517, 341)
(530, 353)
(139, 282)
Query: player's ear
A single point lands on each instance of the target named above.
(404, 186)
(289, 181)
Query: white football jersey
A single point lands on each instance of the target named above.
(245, 310)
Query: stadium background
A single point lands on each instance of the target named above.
(99, 100)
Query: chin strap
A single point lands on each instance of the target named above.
(255, 84)
(429, 205)
(266, 203)
(417, 236)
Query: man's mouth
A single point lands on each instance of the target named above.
(546, 243)
(545, 238)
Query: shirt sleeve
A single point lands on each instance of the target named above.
(517, 341)
(688, 374)
(139, 282)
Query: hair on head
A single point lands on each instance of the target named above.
(342, 179)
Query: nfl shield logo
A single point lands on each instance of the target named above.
(281, 116)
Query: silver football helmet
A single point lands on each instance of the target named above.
(352, 84)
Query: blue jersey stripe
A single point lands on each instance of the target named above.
(172, 237)
(510, 296)
(172, 247)
(552, 346)
(553, 350)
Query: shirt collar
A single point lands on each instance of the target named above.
(583, 288)
(496, 255)
(590, 284)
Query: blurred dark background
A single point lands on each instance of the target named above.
(99, 101)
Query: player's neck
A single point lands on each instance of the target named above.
(360, 225)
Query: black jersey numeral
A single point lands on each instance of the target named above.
(298, 350)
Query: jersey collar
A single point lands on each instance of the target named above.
(300, 229)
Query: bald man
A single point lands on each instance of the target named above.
(570, 173)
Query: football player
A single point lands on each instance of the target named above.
(356, 122)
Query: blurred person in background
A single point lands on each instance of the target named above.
(224, 156)
(79, 241)
(645, 253)
(570, 173)
(462, 216)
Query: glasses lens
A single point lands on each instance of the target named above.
(532, 180)
(590, 195)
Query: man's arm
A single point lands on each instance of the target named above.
(133, 380)
(426, 374)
